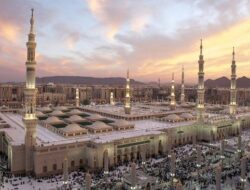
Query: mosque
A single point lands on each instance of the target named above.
(42, 141)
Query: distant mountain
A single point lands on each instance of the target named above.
(242, 82)
(85, 80)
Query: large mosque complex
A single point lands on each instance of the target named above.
(44, 140)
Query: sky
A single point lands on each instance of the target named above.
(103, 38)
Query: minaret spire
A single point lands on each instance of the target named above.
(182, 87)
(32, 21)
(201, 47)
(127, 106)
(200, 89)
(172, 95)
(233, 90)
(233, 54)
(29, 118)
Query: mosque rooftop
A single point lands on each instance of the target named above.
(138, 110)
(15, 130)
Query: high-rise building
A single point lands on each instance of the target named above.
(29, 118)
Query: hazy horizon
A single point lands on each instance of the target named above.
(187, 83)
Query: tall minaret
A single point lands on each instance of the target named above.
(77, 98)
(200, 90)
(182, 87)
(65, 172)
(172, 102)
(29, 118)
(127, 106)
(233, 104)
(111, 101)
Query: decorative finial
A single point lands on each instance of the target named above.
(233, 53)
(172, 76)
(128, 73)
(201, 48)
(32, 21)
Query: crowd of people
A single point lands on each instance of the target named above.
(187, 172)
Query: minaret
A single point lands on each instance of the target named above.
(182, 87)
(112, 99)
(29, 118)
(200, 90)
(218, 177)
(143, 157)
(199, 157)
(243, 178)
(133, 175)
(127, 107)
(65, 172)
(172, 164)
(88, 181)
(233, 104)
(172, 102)
(77, 98)
(106, 163)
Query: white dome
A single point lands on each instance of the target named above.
(57, 113)
(75, 118)
(95, 117)
(100, 125)
(53, 120)
(173, 117)
(186, 116)
(73, 128)
(75, 112)
(39, 114)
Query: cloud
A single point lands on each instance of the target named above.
(9, 31)
(139, 23)
(114, 15)
(152, 38)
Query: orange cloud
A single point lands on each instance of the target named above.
(9, 31)
(114, 15)
(97, 7)
(217, 54)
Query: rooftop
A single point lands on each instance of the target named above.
(45, 137)
(142, 127)
(138, 110)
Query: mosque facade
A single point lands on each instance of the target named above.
(40, 140)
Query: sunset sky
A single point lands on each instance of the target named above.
(102, 38)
